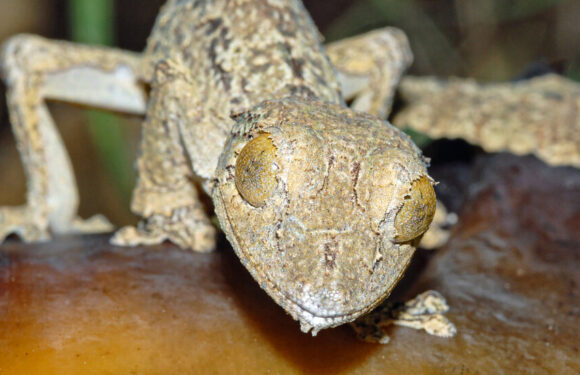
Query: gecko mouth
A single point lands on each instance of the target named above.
(315, 309)
(309, 318)
(324, 297)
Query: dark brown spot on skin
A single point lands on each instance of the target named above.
(320, 79)
(245, 85)
(301, 91)
(296, 65)
(330, 255)
(213, 25)
(325, 180)
(224, 37)
(285, 27)
(223, 75)
(165, 126)
(355, 172)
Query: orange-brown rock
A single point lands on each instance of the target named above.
(510, 273)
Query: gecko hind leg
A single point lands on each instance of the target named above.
(424, 312)
(369, 67)
(166, 196)
(34, 70)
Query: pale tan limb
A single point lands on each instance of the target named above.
(369, 68)
(537, 116)
(422, 312)
(36, 69)
(166, 196)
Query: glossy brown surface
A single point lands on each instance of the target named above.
(509, 272)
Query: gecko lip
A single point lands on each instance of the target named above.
(315, 307)
(342, 282)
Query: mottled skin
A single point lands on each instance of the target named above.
(323, 246)
(539, 116)
(232, 55)
(341, 197)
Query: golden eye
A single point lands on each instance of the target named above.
(256, 170)
(417, 212)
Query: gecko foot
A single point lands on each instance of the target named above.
(20, 220)
(33, 227)
(184, 228)
(422, 312)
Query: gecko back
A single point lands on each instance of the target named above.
(236, 54)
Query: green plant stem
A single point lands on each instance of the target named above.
(91, 22)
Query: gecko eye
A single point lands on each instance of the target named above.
(256, 170)
(417, 212)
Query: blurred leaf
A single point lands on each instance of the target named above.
(420, 139)
(573, 72)
(517, 9)
(425, 36)
(411, 15)
(360, 17)
(91, 22)
(107, 133)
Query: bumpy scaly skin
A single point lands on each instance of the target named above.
(210, 60)
(538, 116)
(323, 244)
(235, 54)
(324, 238)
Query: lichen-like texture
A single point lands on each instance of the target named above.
(538, 116)
(233, 54)
(323, 245)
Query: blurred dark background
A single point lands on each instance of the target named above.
(490, 40)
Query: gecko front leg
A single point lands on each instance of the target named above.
(369, 67)
(166, 196)
(424, 312)
(36, 69)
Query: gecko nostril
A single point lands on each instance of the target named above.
(417, 211)
(256, 170)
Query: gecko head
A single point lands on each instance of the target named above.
(323, 205)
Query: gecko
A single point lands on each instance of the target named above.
(324, 204)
